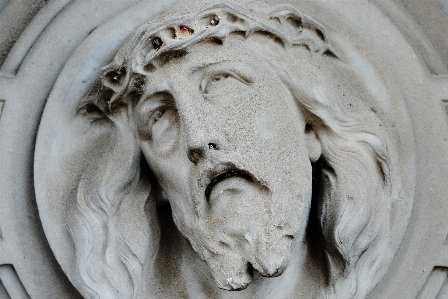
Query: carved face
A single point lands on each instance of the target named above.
(227, 143)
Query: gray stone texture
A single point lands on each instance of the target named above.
(224, 149)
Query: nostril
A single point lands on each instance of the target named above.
(213, 146)
(195, 154)
(198, 152)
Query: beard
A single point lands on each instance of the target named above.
(243, 223)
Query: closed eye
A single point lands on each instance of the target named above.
(225, 74)
(158, 121)
(211, 83)
(219, 77)
(160, 113)
(157, 115)
(225, 83)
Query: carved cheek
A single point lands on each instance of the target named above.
(266, 126)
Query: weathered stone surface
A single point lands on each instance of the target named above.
(224, 149)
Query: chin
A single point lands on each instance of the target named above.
(239, 244)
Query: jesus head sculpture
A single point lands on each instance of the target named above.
(259, 139)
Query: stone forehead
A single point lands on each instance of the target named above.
(283, 24)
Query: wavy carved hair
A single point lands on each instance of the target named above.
(115, 230)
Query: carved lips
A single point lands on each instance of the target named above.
(226, 171)
(227, 177)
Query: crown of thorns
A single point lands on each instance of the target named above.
(124, 76)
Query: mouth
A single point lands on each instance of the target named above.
(225, 171)
(224, 176)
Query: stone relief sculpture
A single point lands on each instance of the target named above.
(251, 128)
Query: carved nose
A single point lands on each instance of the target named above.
(195, 154)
